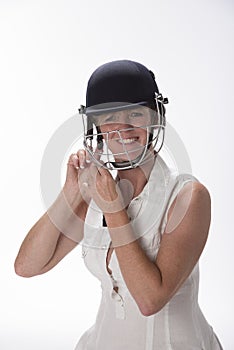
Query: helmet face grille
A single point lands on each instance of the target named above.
(122, 139)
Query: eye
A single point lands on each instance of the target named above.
(107, 119)
(110, 118)
(136, 114)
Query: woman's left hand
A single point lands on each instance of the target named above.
(97, 182)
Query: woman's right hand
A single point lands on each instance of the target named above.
(77, 163)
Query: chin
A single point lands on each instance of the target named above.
(124, 158)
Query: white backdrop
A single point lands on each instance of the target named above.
(48, 50)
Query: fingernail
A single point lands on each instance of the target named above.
(88, 161)
(82, 166)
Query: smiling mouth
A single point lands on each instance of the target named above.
(127, 141)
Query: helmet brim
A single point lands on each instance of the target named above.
(112, 107)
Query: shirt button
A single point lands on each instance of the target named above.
(84, 253)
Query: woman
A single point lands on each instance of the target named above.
(142, 226)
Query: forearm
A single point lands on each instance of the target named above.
(142, 276)
(41, 242)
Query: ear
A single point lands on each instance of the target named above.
(99, 138)
(154, 116)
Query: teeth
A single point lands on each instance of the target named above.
(126, 141)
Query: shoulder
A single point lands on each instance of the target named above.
(197, 193)
(199, 189)
(193, 196)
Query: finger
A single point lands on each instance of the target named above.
(73, 160)
(97, 171)
(94, 171)
(87, 157)
(71, 168)
(84, 158)
(81, 154)
(102, 170)
(98, 152)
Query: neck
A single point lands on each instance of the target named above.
(138, 177)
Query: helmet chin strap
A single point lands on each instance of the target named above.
(125, 165)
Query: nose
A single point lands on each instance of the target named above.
(122, 118)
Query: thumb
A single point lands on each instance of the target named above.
(98, 152)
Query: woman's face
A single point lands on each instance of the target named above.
(126, 131)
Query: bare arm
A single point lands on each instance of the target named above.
(45, 245)
(57, 232)
(152, 284)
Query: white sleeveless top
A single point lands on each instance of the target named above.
(119, 325)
